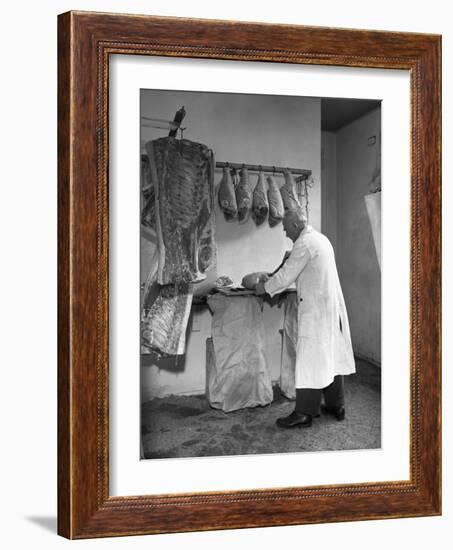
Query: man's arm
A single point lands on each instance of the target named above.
(289, 272)
(285, 257)
(259, 289)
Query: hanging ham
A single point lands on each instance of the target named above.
(276, 208)
(227, 196)
(288, 191)
(244, 196)
(260, 203)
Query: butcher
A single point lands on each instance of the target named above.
(324, 350)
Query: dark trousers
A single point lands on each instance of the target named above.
(308, 401)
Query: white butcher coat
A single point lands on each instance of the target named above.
(324, 346)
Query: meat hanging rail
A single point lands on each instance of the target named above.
(303, 173)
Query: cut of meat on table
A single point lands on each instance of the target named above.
(227, 196)
(244, 196)
(260, 204)
(224, 281)
(164, 323)
(183, 176)
(252, 279)
(276, 208)
(288, 192)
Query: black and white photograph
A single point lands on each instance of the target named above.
(238, 338)
(260, 267)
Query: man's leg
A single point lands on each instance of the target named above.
(334, 398)
(308, 402)
(334, 392)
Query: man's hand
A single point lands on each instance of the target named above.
(259, 289)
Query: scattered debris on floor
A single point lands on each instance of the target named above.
(186, 426)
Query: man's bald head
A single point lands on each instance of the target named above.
(294, 222)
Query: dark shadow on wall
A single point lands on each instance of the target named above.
(175, 364)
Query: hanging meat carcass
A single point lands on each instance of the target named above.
(148, 215)
(227, 195)
(183, 176)
(164, 321)
(165, 311)
(260, 203)
(244, 196)
(276, 208)
(288, 192)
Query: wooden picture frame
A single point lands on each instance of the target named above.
(85, 42)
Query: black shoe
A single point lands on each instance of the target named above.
(338, 412)
(295, 420)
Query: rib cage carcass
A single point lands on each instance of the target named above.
(183, 175)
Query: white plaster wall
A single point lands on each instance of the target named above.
(357, 261)
(329, 186)
(272, 130)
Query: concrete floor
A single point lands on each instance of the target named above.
(186, 426)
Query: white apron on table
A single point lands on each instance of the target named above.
(289, 346)
(324, 347)
(237, 375)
